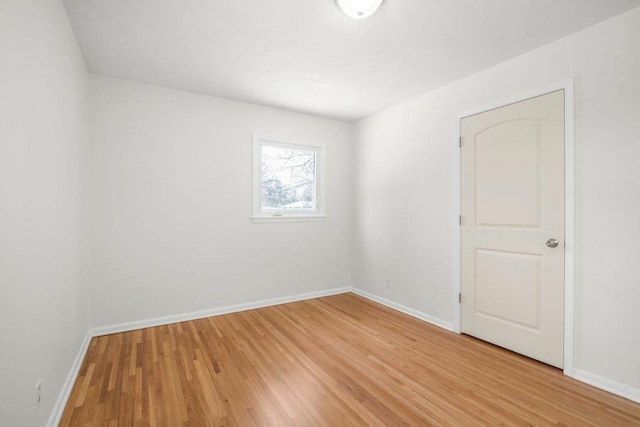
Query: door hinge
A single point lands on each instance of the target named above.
(459, 219)
(460, 142)
(460, 298)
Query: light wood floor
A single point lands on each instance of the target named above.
(339, 360)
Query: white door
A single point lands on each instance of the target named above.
(512, 206)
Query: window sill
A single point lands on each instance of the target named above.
(288, 218)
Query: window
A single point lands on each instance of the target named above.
(287, 180)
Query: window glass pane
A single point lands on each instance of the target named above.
(288, 180)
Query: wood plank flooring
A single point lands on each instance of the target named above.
(339, 360)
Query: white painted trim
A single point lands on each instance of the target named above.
(569, 159)
(569, 224)
(321, 153)
(58, 409)
(289, 218)
(517, 98)
(63, 396)
(406, 310)
(586, 377)
(457, 262)
(166, 320)
(611, 386)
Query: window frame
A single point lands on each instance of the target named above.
(320, 181)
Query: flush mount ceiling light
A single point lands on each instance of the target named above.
(359, 9)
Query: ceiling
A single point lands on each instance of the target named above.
(307, 56)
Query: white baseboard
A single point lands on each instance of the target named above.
(586, 377)
(607, 384)
(166, 320)
(58, 408)
(406, 310)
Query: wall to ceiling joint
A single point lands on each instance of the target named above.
(122, 201)
(404, 212)
(43, 236)
(171, 204)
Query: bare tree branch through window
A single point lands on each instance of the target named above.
(288, 179)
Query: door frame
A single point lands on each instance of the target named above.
(569, 185)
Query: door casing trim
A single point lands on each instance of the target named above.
(569, 195)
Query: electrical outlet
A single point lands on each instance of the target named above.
(387, 283)
(38, 391)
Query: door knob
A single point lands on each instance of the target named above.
(552, 243)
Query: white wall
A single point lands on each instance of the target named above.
(42, 240)
(171, 204)
(404, 210)
(170, 200)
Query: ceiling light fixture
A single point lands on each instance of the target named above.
(359, 9)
